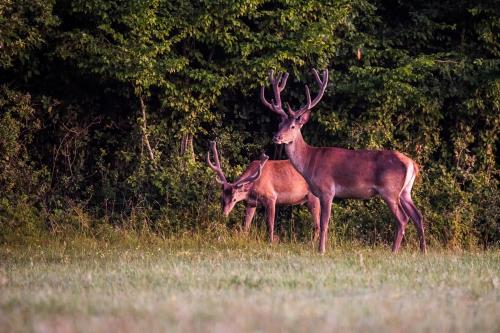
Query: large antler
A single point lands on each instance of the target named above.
(310, 104)
(221, 179)
(255, 176)
(278, 85)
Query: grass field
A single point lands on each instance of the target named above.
(230, 284)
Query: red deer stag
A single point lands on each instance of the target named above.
(268, 183)
(343, 173)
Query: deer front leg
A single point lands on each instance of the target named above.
(270, 211)
(249, 214)
(314, 208)
(326, 206)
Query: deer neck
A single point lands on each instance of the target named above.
(298, 152)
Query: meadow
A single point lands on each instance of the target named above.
(232, 283)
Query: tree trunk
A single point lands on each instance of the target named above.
(144, 130)
(278, 152)
(187, 145)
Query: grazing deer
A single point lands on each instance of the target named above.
(268, 183)
(343, 173)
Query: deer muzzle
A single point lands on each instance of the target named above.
(277, 139)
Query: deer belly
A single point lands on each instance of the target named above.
(354, 192)
(291, 198)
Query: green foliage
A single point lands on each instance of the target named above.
(74, 137)
(25, 26)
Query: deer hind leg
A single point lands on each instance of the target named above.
(401, 219)
(314, 208)
(412, 211)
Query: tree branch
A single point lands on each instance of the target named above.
(144, 130)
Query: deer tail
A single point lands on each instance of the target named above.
(412, 171)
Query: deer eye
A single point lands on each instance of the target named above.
(292, 127)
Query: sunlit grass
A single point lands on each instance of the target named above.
(231, 283)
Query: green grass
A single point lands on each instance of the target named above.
(232, 284)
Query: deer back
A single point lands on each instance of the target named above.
(280, 180)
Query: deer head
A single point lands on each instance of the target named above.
(239, 190)
(291, 124)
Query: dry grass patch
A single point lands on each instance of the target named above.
(196, 284)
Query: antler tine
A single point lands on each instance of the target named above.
(263, 159)
(213, 146)
(291, 112)
(322, 87)
(282, 82)
(263, 98)
(278, 85)
(308, 97)
(321, 82)
(316, 76)
(217, 168)
(277, 92)
(271, 75)
(278, 79)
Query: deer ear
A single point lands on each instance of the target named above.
(304, 118)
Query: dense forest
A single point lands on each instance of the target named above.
(107, 108)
